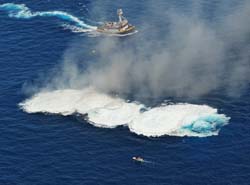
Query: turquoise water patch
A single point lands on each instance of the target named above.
(207, 125)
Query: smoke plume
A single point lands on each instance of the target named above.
(183, 54)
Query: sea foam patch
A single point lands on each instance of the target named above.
(107, 111)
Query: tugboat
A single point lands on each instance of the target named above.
(121, 27)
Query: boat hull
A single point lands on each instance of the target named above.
(116, 31)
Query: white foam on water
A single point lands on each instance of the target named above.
(179, 120)
(76, 29)
(108, 111)
(21, 11)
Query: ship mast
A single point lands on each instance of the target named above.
(120, 13)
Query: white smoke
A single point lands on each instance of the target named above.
(191, 58)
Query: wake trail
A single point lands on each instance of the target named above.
(149, 162)
(21, 11)
(74, 24)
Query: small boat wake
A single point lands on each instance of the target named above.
(21, 11)
(70, 22)
(77, 29)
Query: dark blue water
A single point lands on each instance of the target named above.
(50, 149)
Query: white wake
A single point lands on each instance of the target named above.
(21, 11)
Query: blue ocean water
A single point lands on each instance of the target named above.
(52, 149)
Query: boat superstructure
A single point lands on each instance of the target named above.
(120, 27)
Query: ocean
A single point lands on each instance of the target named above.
(77, 105)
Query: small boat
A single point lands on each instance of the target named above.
(138, 159)
(120, 27)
